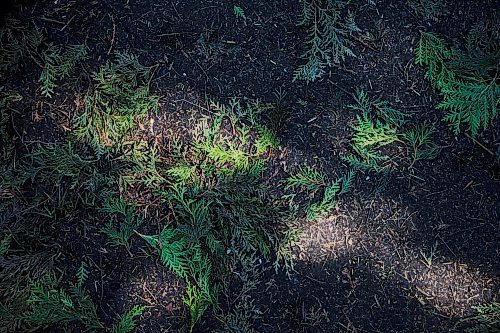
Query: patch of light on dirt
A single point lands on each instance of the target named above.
(450, 287)
(385, 235)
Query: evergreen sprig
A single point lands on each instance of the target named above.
(486, 318)
(51, 304)
(429, 9)
(127, 323)
(242, 147)
(239, 12)
(378, 107)
(468, 81)
(174, 248)
(125, 216)
(54, 162)
(308, 178)
(313, 181)
(420, 144)
(17, 42)
(119, 96)
(196, 302)
(369, 136)
(375, 128)
(58, 64)
(328, 36)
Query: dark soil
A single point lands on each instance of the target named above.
(364, 268)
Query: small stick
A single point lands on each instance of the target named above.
(480, 144)
(177, 33)
(47, 19)
(193, 104)
(340, 88)
(69, 21)
(113, 35)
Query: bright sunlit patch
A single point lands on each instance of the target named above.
(381, 232)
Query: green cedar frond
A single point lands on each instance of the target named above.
(378, 107)
(330, 196)
(364, 162)
(127, 323)
(420, 145)
(184, 258)
(328, 42)
(486, 319)
(433, 52)
(6, 141)
(292, 235)
(56, 161)
(16, 44)
(390, 115)
(120, 95)
(51, 59)
(307, 177)
(196, 302)
(347, 182)
(226, 155)
(59, 65)
(312, 181)
(225, 211)
(473, 103)
(127, 219)
(51, 305)
(429, 9)
(7, 97)
(374, 128)
(266, 139)
(371, 134)
(143, 162)
(73, 54)
(327, 202)
(318, 209)
(5, 244)
(239, 12)
(181, 173)
(243, 147)
(82, 274)
(174, 250)
(467, 80)
(363, 103)
(332, 190)
(257, 168)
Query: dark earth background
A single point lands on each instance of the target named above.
(362, 269)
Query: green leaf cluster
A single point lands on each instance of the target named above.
(233, 139)
(468, 80)
(229, 216)
(55, 162)
(328, 36)
(428, 9)
(125, 216)
(49, 304)
(6, 142)
(312, 181)
(17, 42)
(419, 143)
(239, 12)
(377, 128)
(127, 323)
(187, 260)
(58, 65)
(374, 128)
(486, 318)
(118, 97)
